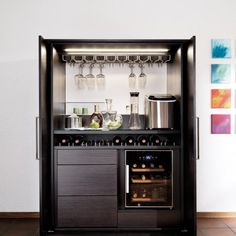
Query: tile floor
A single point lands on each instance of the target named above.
(205, 227)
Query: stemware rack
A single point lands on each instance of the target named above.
(117, 59)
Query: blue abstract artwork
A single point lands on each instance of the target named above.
(220, 73)
(220, 48)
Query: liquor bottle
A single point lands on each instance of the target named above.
(96, 119)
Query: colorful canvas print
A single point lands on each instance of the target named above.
(220, 98)
(220, 124)
(220, 73)
(221, 48)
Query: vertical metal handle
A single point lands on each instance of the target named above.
(127, 178)
(197, 139)
(37, 138)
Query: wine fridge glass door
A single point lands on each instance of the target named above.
(149, 179)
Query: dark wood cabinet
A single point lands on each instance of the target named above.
(83, 187)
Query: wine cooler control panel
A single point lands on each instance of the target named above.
(149, 178)
(116, 140)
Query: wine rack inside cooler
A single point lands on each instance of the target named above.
(149, 178)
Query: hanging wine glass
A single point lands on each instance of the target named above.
(90, 78)
(101, 79)
(80, 80)
(132, 77)
(142, 79)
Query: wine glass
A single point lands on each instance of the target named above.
(80, 80)
(101, 79)
(142, 79)
(132, 77)
(90, 78)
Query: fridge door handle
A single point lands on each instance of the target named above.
(37, 138)
(197, 139)
(127, 178)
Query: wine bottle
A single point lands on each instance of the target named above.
(116, 140)
(66, 140)
(142, 140)
(129, 140)
(78, 140)
(155, 140)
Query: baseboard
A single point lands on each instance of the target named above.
(19, 215)
(35, 215)
(216, 214)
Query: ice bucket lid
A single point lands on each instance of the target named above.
(162, 97)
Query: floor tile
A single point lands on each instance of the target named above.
(210, 223)
(217, 232)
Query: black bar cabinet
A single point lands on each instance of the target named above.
(134, 182)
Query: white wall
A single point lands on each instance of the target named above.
(20, 24)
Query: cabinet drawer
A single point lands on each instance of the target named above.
(89, 211)
(87, 179)
(86, 157)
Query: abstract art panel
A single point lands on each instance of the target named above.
(220, 73)
(220, 48)
(220, 124)
(220, 98)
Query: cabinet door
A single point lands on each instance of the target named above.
(87, 211)
(87, 179)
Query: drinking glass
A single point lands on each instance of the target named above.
(90, 78)
(132, 77)
(80, 80)
(101, 79)
(142, 79)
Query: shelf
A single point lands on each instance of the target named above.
(147, 169)
(148, 200)
(149, 181)
(119, 131)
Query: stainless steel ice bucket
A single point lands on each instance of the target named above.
(159, 111)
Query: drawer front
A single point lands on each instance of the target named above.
(137, 219)
(68, 157)
(87, 180)
(89, 211)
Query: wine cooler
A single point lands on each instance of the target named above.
(149, 178)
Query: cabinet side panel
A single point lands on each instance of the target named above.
(59, 94)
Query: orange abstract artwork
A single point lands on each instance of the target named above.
(220, 98)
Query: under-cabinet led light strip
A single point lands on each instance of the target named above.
(127, 51)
